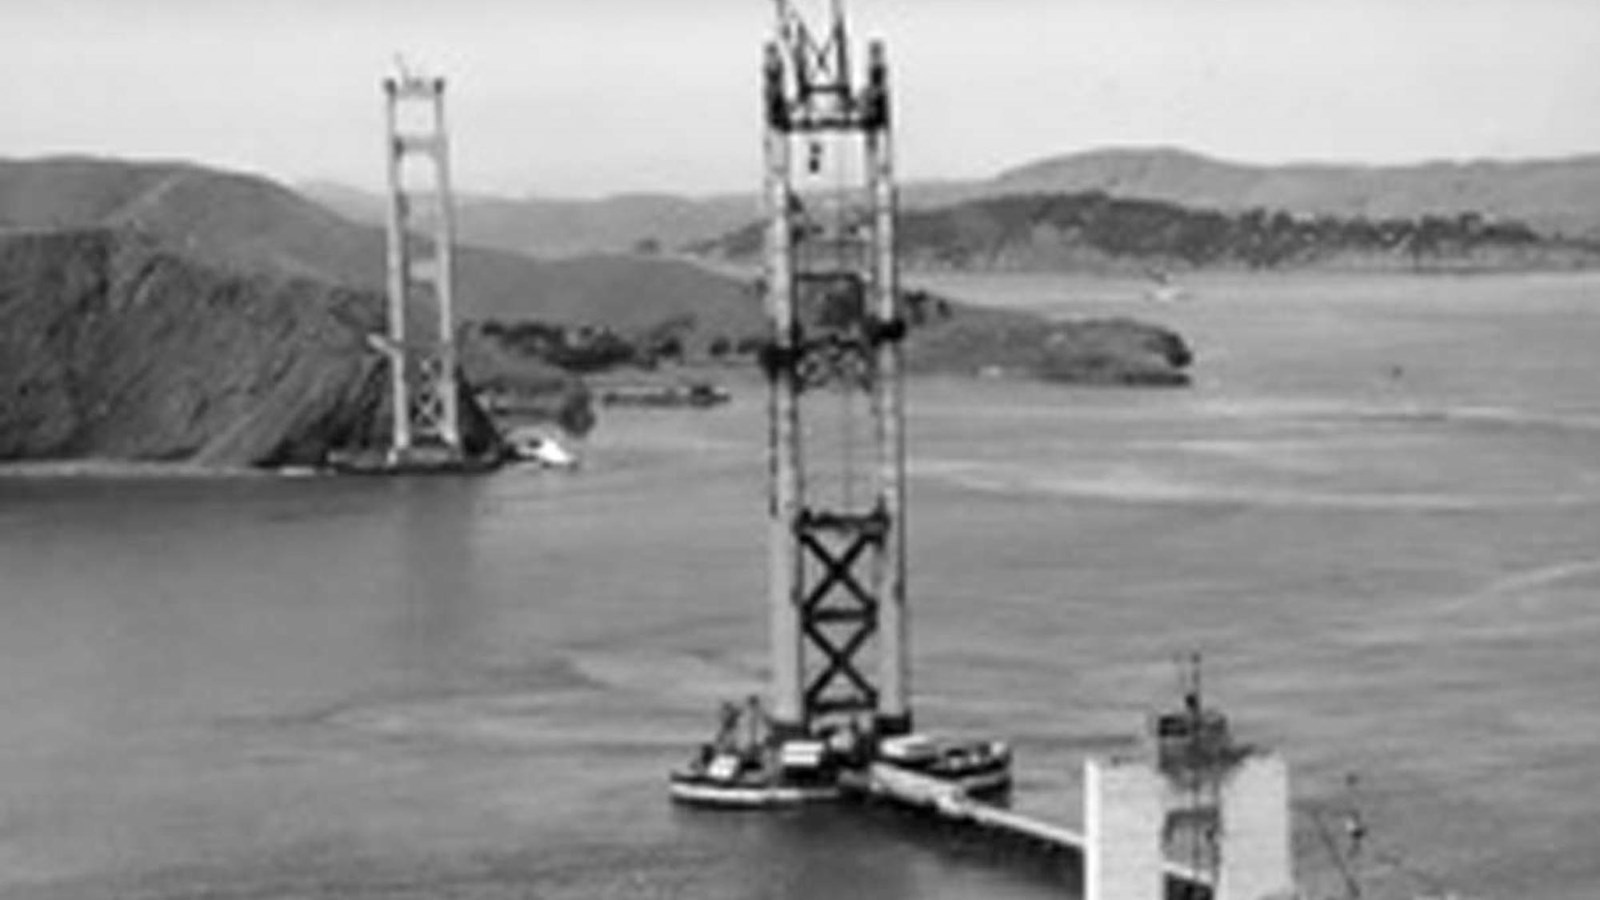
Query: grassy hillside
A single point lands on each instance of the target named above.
(1094, 231)
(554, 227)
(254, 224)
(1557, 196)
(1114, 352)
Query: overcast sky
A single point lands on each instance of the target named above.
(585, 97)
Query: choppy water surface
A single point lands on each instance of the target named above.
(1378, 513)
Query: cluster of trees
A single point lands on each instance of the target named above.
(586, 349)
(724, 347)
(1152, 229)
(577, 348)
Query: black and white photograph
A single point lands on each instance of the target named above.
(799, 449)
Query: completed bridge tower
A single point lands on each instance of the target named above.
(421, 341)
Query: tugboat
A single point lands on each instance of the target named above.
(747, 766)
(979, 767)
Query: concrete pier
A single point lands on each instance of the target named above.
(1122, 816)
(1256, 858)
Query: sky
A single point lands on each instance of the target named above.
(590, 97)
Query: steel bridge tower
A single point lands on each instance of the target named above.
(837, 545)
(420, 343)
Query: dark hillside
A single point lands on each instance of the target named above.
(1554, 196)
(112, 346)
(1095, 231)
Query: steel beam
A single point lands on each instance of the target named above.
(784, 565)
(894, 712)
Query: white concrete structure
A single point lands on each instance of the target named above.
(1126, 804)
(1123, 812)
(1256, 857)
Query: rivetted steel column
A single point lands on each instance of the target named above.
(444, 249)
(400, 430)
(894, 709)
(783, 564)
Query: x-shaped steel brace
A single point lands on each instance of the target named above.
(838, 573)
(840, 664)
(837, 570)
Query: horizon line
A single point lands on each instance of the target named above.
(469, 190)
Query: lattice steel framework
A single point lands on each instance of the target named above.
(421, 223)
(837, 568)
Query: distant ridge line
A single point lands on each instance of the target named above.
(1556, 195)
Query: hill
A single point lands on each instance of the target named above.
(637, 224)
(249, 223)
(1555, 196)
(1096, 232)
(953, 339)
(559, 228)
(115, 347)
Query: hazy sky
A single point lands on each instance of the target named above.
(581, 97)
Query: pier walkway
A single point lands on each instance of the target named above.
(949, 802)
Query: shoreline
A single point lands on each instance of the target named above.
(118, 469)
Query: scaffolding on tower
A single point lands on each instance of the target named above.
(836, 571)
(836, 580)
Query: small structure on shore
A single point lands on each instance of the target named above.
(695, 394)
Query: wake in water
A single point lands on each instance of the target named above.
(1315, 453)
(1313, 411)
(1160, 486)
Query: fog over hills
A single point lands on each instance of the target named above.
(1555, 196)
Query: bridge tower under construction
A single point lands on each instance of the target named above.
(838, 716)
(836, 516)
(420, 343)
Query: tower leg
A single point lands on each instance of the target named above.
(444, 240)
(894, 676)
(784, 563)
(398, 263)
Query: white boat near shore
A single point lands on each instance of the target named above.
(528, 445)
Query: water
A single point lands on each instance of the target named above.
(473, 688)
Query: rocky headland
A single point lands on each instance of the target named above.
(114, 347)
